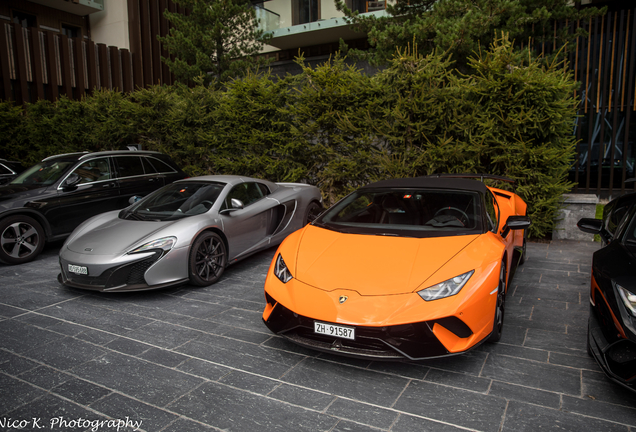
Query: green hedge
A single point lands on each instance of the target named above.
(335, 127)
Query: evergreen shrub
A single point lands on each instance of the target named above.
(335, 127)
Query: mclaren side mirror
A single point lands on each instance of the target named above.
(133, 199)
(237, 204)
(590, 225)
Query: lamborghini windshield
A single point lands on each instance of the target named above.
(175, 201)
(406, 213)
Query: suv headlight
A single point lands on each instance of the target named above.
(281, 271)
(165, 244)
(447, 288)
(629, 299)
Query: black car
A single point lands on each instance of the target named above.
(612, 323)
(9, 170)
(47, 201)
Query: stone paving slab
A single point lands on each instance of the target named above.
(197, 359)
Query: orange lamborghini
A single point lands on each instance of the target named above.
(400, 269)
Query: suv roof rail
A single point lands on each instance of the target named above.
(120, 152)
(63, 154)
(479, 176)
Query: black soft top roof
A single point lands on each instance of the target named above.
(431, 183)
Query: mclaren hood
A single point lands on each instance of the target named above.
(110, 235)
(372, 265)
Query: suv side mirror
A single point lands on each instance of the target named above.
(71, 181)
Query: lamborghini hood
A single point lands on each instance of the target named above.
(111, 236)
(372, 265)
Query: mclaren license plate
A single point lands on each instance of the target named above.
(80, 270)
(334, 330)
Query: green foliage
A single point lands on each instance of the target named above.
(12, 138)
(325, 109)
(337, 128)
(216, 41)
(460, 27)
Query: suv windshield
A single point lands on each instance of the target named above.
(43, 174)
(175, 201)
(406, 213)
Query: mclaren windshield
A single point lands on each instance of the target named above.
(406, 213)
(175, 201)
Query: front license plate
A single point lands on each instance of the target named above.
(80, 270)
(334, 330)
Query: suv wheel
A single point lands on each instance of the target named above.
(21, 239)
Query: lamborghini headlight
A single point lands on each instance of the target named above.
(281, 271)
(165, 243)
(447, 288)
(629, 299)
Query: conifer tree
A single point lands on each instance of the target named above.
(462, 26)
(217, 40)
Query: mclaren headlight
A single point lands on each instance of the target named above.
(447, 288)
(281, 271)
(165, 243)
(629, 299)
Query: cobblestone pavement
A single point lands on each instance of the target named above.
(194, 359)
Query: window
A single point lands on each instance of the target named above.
(128, 166)
(158, 165)
(148, 168)
(492, 212)
(305, 11)
(5, 170)
(247, 193)
(24, 19)
(71, 31)
(615, 218)
(263, 188)
(93, 170)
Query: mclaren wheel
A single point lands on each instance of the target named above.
(21, 239)
(501, 306)
(208, 258)
(312, 212)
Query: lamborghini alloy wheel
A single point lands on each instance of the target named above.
(501, 306)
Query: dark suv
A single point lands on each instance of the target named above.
(9, 170)
(47, 201)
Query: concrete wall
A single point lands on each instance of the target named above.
(575, 207)
(110, 26)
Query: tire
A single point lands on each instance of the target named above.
(589, 347)
(21, 239)
(312, 212)
(500, 307)
(208, 258)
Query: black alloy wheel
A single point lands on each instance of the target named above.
(497, 327)
(313, 211)
(208, 258)
(21, 239)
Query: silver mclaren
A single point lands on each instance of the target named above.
(187, 231)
